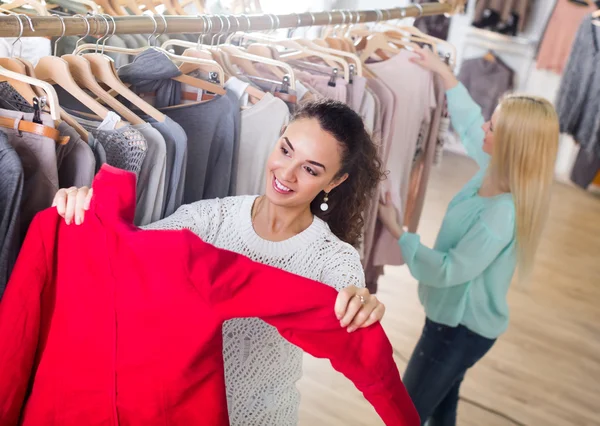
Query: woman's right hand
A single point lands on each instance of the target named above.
(431, 61)
(72, 203)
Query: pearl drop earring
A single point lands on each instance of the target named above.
(324, 205)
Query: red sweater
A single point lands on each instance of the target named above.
(105, 324)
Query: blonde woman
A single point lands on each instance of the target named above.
(492, 225)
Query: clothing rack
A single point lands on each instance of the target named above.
(52, 26)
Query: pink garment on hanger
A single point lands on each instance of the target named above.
(422, 168)
(415, 98)
(321, 84)
(356, 92)
(382, 136)
(560, 35)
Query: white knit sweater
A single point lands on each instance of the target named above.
(261, 368)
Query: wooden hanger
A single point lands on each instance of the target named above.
(489, 56)
(51, 96)
(15, 74)
(419, 36)
(170, 7)
(192, 81)
(378, 43)
(91, 6)
(199, 4)
(198, 52)
(125, 7)
(344, 34)
(210, 66)
(107, 7)
(178, 7)
(334, 43)
(84, 76)
(346, 57)
(94, 7)
(244, 59)
(595, 16)
(29, 70)
(264, 51)
(206, 63)
(24, 67)
(104, 71)
(305, 48)
(56, 70)
(149, 6)
(241, 58)
(23, 88)
(39, 8)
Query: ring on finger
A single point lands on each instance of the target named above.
(362, 299)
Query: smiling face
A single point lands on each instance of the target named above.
(304, 162)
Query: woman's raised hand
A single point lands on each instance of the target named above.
(431, 61)
(72, 203)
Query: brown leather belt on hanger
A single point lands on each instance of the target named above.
(34, 128)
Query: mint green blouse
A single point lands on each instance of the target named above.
(465, 278)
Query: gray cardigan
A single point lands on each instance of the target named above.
(486, 82)
(578, 101)
(11, 190)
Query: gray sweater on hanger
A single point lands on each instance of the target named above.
(486, 82)
(11, 190)
(212, 127)
(578, 101)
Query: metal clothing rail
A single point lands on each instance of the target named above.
(51, 26)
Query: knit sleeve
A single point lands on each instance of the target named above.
(19, 324)
(302, 311)
(201, 217)
(480, 246)
(467, 119)
(344, 269)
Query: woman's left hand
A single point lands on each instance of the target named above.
(357, 308)
(388, 216)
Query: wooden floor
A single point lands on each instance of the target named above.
(545, 371)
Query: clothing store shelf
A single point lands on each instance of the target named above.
(501, 38)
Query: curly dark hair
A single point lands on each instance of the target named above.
(348, 201)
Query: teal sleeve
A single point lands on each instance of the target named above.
(469, 258)
(467, 120)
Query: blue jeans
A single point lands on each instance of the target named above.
(437, 367)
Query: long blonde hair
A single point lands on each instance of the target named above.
(525, 146)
